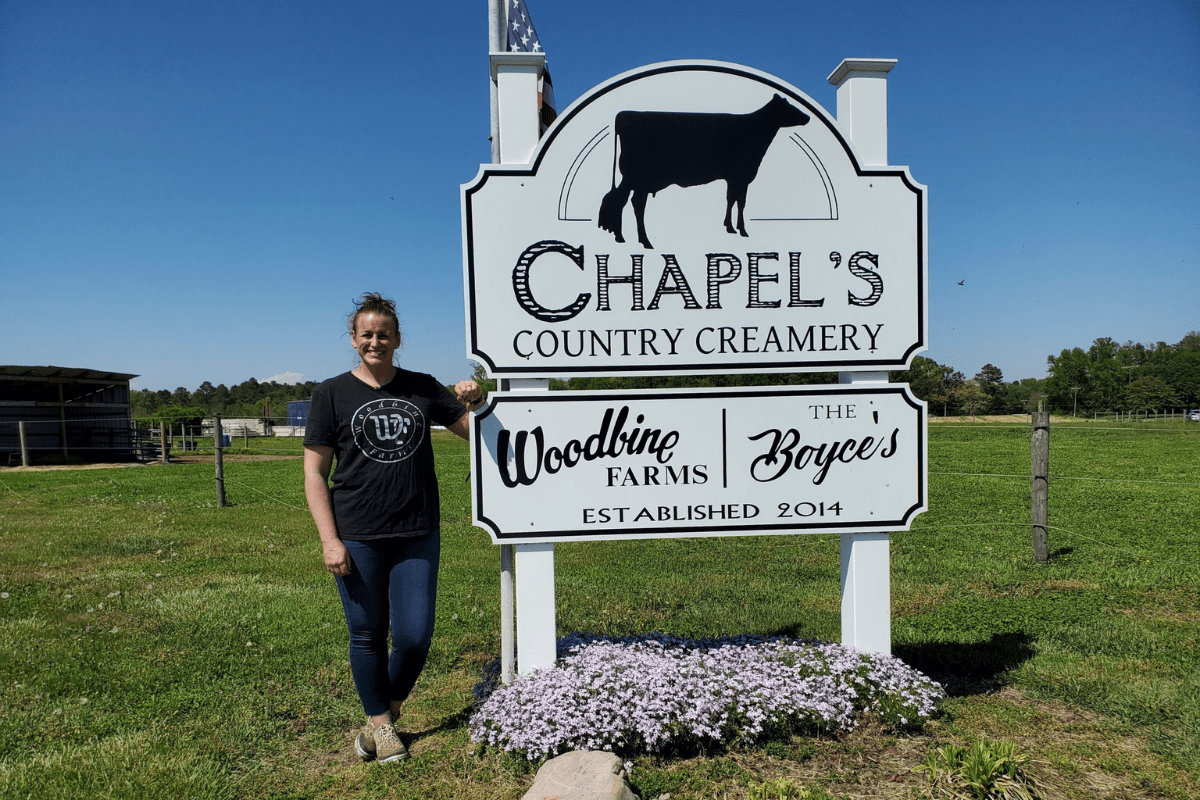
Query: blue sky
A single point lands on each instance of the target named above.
(196, 191)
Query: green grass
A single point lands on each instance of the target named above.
(154, 645)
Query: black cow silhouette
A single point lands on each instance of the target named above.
(657, 149)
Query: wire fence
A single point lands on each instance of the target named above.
(121, 439)
(118, 438)
(1081, 454)
(951, 410)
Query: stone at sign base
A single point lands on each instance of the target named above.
(581, 775)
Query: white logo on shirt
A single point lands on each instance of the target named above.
(388, 430)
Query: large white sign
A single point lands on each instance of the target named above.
(698, 462)
(693, 217)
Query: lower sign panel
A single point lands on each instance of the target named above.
(683, 463)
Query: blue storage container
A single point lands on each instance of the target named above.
(298, 412)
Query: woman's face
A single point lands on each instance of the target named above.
(375, 339)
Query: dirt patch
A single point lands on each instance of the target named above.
(1077, 756)
(870, 761)
(1069, 585)
(1161, 614)
(875, 762)
(58, 467)
(916, 601)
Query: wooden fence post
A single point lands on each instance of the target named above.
(219, 461)
(62, 421)
(1040, 468)
(24, 444)
(162, 442)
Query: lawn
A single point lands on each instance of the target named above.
(154, 645)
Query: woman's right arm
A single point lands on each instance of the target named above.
(317, 462)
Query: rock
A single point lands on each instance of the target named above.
(581, 775)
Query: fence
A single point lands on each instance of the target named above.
(1168, 414)
(992, 451)
(1105, 480)
(1098, 479)
(116, 438)
(953, 410)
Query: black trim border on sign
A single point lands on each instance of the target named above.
(543, 147)
(775, 392)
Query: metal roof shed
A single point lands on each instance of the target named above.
(69, 414)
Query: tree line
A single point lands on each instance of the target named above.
(1127, 377)
(249, 399)
(946, 389)
(1106, 377)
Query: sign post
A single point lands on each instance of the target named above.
(696, 218)
(530, 576)
(496, 39)
(865, 558)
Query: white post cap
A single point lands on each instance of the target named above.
(504, 58)
(515, 76)
(862, 105)
(861, 68)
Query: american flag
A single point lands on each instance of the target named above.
(522, 38)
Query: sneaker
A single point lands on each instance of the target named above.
(388, 746)
(364, 743)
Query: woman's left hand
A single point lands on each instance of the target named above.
(468, 392)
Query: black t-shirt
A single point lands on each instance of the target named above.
(384, 483)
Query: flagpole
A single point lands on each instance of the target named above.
(495, 45)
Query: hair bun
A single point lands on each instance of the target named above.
(374, 303)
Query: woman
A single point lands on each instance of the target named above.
(379, 523)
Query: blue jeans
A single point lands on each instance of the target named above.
(394, 577)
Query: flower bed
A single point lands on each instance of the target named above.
(653, 693)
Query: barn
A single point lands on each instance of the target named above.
(65, 415)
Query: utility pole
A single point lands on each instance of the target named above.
(1075, 405)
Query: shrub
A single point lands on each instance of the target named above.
(653, 693)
